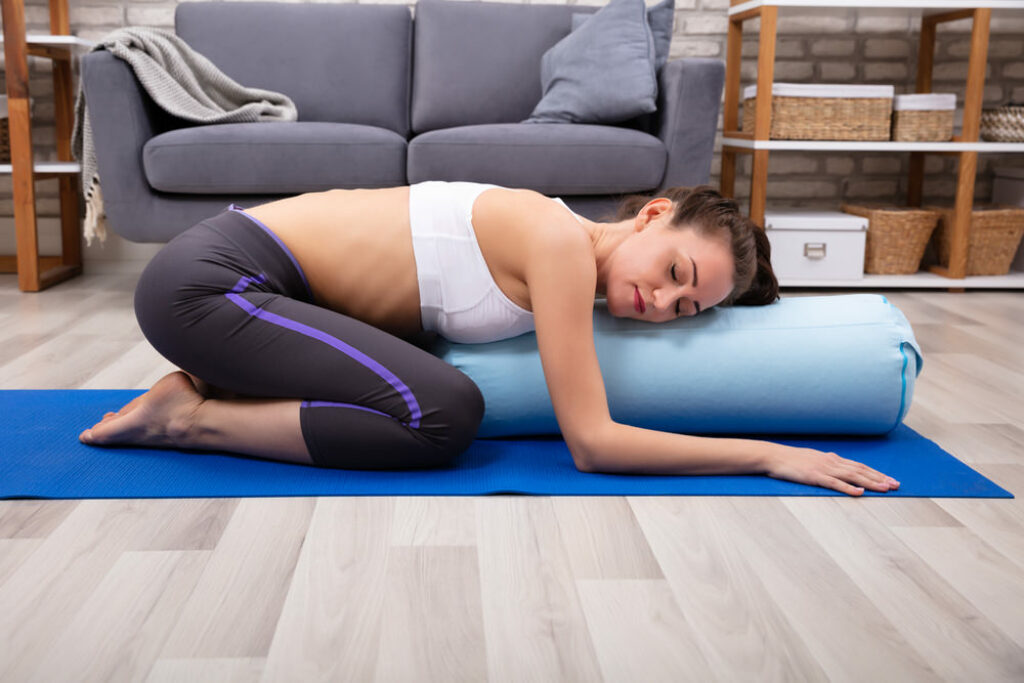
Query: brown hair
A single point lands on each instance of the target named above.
(711, 215)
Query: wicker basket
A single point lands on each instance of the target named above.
(995, 234)
(824, 112)
(1003, 124)
(896, 237)
(924, 117)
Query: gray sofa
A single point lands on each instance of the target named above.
(383, 100)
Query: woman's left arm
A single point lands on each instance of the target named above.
(561, 275)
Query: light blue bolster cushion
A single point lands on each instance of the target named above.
(806, 365)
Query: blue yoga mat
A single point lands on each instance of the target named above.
(40, 457)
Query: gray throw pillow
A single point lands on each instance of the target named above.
(660, 18)
(603, 72)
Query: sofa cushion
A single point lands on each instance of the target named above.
(603, 72)
(274, 158)
(660, 17)
(551, 158)
(353, 60)
(479, 62)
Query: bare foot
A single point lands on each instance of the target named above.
(207, 390)
(160, 417)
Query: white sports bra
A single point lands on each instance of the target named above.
(459, 299)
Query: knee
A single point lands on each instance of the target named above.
(452, 421)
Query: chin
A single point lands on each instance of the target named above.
(616, 308)
(620, 306)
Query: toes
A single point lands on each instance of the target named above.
(131, 405)
(97, 435)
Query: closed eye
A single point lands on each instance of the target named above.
(674, 273)
(675, 280)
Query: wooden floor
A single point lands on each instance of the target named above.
(510, 588)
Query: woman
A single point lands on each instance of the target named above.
(293, 326)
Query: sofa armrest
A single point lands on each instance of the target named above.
(123, 118)
(690, 98)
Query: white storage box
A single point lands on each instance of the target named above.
(816, 245)
(1008, 190)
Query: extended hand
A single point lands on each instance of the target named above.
(817, 468)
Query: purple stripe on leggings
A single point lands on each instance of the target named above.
(244, 283)
(331, 404)
(334, 342)
(281, 244)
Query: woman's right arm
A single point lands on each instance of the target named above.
(561, 276)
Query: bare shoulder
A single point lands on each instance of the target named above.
(521, 232)
(545, 228)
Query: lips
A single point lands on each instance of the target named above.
(638, 301)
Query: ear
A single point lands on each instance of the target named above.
(652, 211)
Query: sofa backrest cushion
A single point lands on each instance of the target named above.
(340, 63)
(479, 62)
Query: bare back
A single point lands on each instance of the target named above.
(355, 247)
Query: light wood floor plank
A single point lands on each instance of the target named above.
(228, 670)
(1010, 477)
(970, 339)
(974, 444)
(57, 311)
(65, 361)
(533, 621)
(851, 638)
(13, 552)
(118, 632)
(640, 633)
(947, 630)
(740, 630)
(33, 518)
(190, 524)
(945, 389)
(927, 308)
(432, 628)
(54, 582)
(998, 525)
(434, 520)
(994, 584)
(330, 626)
(979, 308)
(603, 540)
(138, 368)
(910, 512)
(235, 606)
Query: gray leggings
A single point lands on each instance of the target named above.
(227, 302)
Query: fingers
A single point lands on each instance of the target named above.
(860, 475)
(842, 486)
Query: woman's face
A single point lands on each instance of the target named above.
(660, 273)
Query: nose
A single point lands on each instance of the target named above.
(665, 297)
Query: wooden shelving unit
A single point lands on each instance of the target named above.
(36, 272)
(965, 146)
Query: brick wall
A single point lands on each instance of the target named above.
(859, 46)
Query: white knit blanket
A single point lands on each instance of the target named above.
(182, 82)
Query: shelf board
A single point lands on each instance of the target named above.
(922, 280)
(47, 167)
(57, 41)
(874, 146)
(882, 4)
